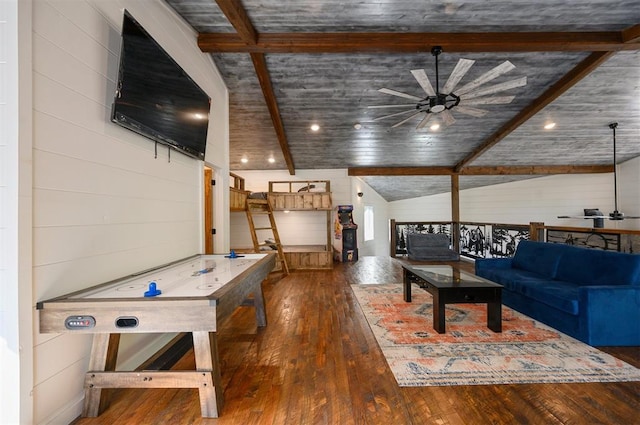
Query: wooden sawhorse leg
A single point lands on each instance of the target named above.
(205, 348)
(258, 303)
(104, 354)
(102, 375)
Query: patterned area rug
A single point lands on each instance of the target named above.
(469, 353)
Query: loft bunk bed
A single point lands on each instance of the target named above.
(293, 195)
(237, 194)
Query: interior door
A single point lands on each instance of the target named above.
(208, 210)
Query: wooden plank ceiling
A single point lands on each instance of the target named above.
(290, 64)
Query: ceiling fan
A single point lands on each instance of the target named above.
(595, 214)
(463, 99)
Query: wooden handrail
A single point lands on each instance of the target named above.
(592, 230)
(291, 183)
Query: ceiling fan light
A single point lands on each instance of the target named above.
(616, 215)
(438, 108)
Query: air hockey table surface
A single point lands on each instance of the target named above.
(196, 294)
(196, 277)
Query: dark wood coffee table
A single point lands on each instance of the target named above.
(449, 285)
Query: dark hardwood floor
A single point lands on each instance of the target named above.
(317, 362)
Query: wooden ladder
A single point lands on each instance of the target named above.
(262, 206)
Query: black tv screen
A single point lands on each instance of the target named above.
(155, 97)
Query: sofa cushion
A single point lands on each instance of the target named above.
(482, 264)
(427, 240)
(585, 266)
(538, 257)
(510, 278)
(561, 295)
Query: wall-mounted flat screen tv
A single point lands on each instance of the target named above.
(155, 97)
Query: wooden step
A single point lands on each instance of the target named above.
(262, 206)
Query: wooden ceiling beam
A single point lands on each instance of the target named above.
(260, 65)
(570, 79)
(525, 170)
(237, 17)
(520, 170)
(631, 34)
(419, 42)
(399, 171)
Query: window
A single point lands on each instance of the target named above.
(368, 223)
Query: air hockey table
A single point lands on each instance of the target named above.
(196, 293)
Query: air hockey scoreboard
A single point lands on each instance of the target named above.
(190, 295)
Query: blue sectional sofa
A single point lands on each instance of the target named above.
(591, 295)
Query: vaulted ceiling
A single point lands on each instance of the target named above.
(290, 64)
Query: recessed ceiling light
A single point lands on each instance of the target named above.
(271, 160)
(244, 160)
(357, 126)
(450, 8)
(549, 126)
(315, 127)
(434, 127)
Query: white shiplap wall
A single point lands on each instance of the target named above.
(426, 208)
(380, 244)
(11, 389)
(629, 192)
(103, 206)
(539, 200)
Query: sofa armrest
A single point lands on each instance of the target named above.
(609, 313)
(493, 263)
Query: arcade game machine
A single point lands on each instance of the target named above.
(345, 241)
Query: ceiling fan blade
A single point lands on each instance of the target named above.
(424, 82)
(474, 112)
(617, 215)
(400, 94)
(498, 100)
(504, 67)
(519, 82)
(405, 120)
(424, 121)
(462, 67)
(583, 216)
(404, 105)
(393, 115)
(447, 118)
